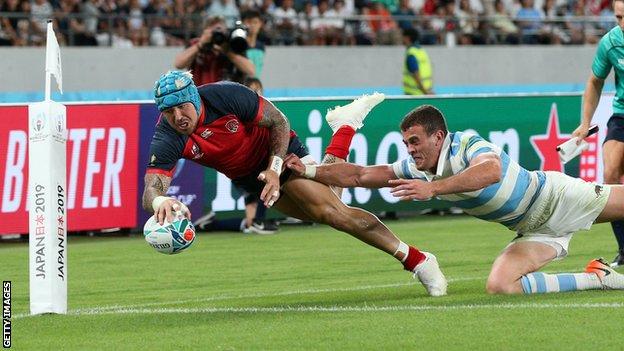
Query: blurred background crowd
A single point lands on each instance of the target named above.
(132, 23)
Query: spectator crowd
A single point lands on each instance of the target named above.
(131, 23)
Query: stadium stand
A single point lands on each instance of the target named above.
(132, 23)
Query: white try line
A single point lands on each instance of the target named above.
(270, 294)
(341, 309)
(87, 310)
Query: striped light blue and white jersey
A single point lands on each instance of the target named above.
(505, 202)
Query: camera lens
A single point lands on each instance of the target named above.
(218, 38)
(239, 44)
(238, 39)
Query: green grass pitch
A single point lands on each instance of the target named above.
(310, 288)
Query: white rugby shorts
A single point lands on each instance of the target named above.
(565, 206)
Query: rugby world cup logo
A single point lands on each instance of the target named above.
(232, 125)
(37, 122)
(59, 123)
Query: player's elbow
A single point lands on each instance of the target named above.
(596, 82)
(495, 169)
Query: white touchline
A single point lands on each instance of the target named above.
(86, 310)
(339, 309)
(267, 294)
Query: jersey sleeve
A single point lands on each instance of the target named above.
(165, 151)
(234, 98)
(406, 169)
(601, 65)
(475, 146)
(412, 63)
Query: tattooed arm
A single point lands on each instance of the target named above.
(156, 185)
(279, 127)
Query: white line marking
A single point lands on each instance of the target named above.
(268, 294)
(245, 296)
(337, 309)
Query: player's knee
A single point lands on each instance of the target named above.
(497, 286)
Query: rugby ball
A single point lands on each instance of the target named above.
(169, 238)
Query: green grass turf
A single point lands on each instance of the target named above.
(310, 288)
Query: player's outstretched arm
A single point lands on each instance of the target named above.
(484, 170)
(155, 185)
(345, 175)
(155, 199)
(279, 127)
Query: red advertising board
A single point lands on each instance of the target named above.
(102, 155)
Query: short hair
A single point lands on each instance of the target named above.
(427, 116)
(412, 34)
(252, 80)
(249, 14)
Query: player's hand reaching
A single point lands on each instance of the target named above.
(581, 133)
(293, 162)
(411, 189)
(270, 193)
(169, 208)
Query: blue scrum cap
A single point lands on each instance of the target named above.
(175, 88)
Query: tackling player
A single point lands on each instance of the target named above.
(544, 208)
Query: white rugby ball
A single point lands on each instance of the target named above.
(169, 238)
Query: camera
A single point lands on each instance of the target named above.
(235, 38)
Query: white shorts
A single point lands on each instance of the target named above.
(565, 206)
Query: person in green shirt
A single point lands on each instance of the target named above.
(610, 54)
(255, 53)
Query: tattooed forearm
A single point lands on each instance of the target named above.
(329, 159)
(158, 185)
(275, 120)
(155, 185)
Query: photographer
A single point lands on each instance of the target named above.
(218, 54)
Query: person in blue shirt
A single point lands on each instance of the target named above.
(545, 209)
